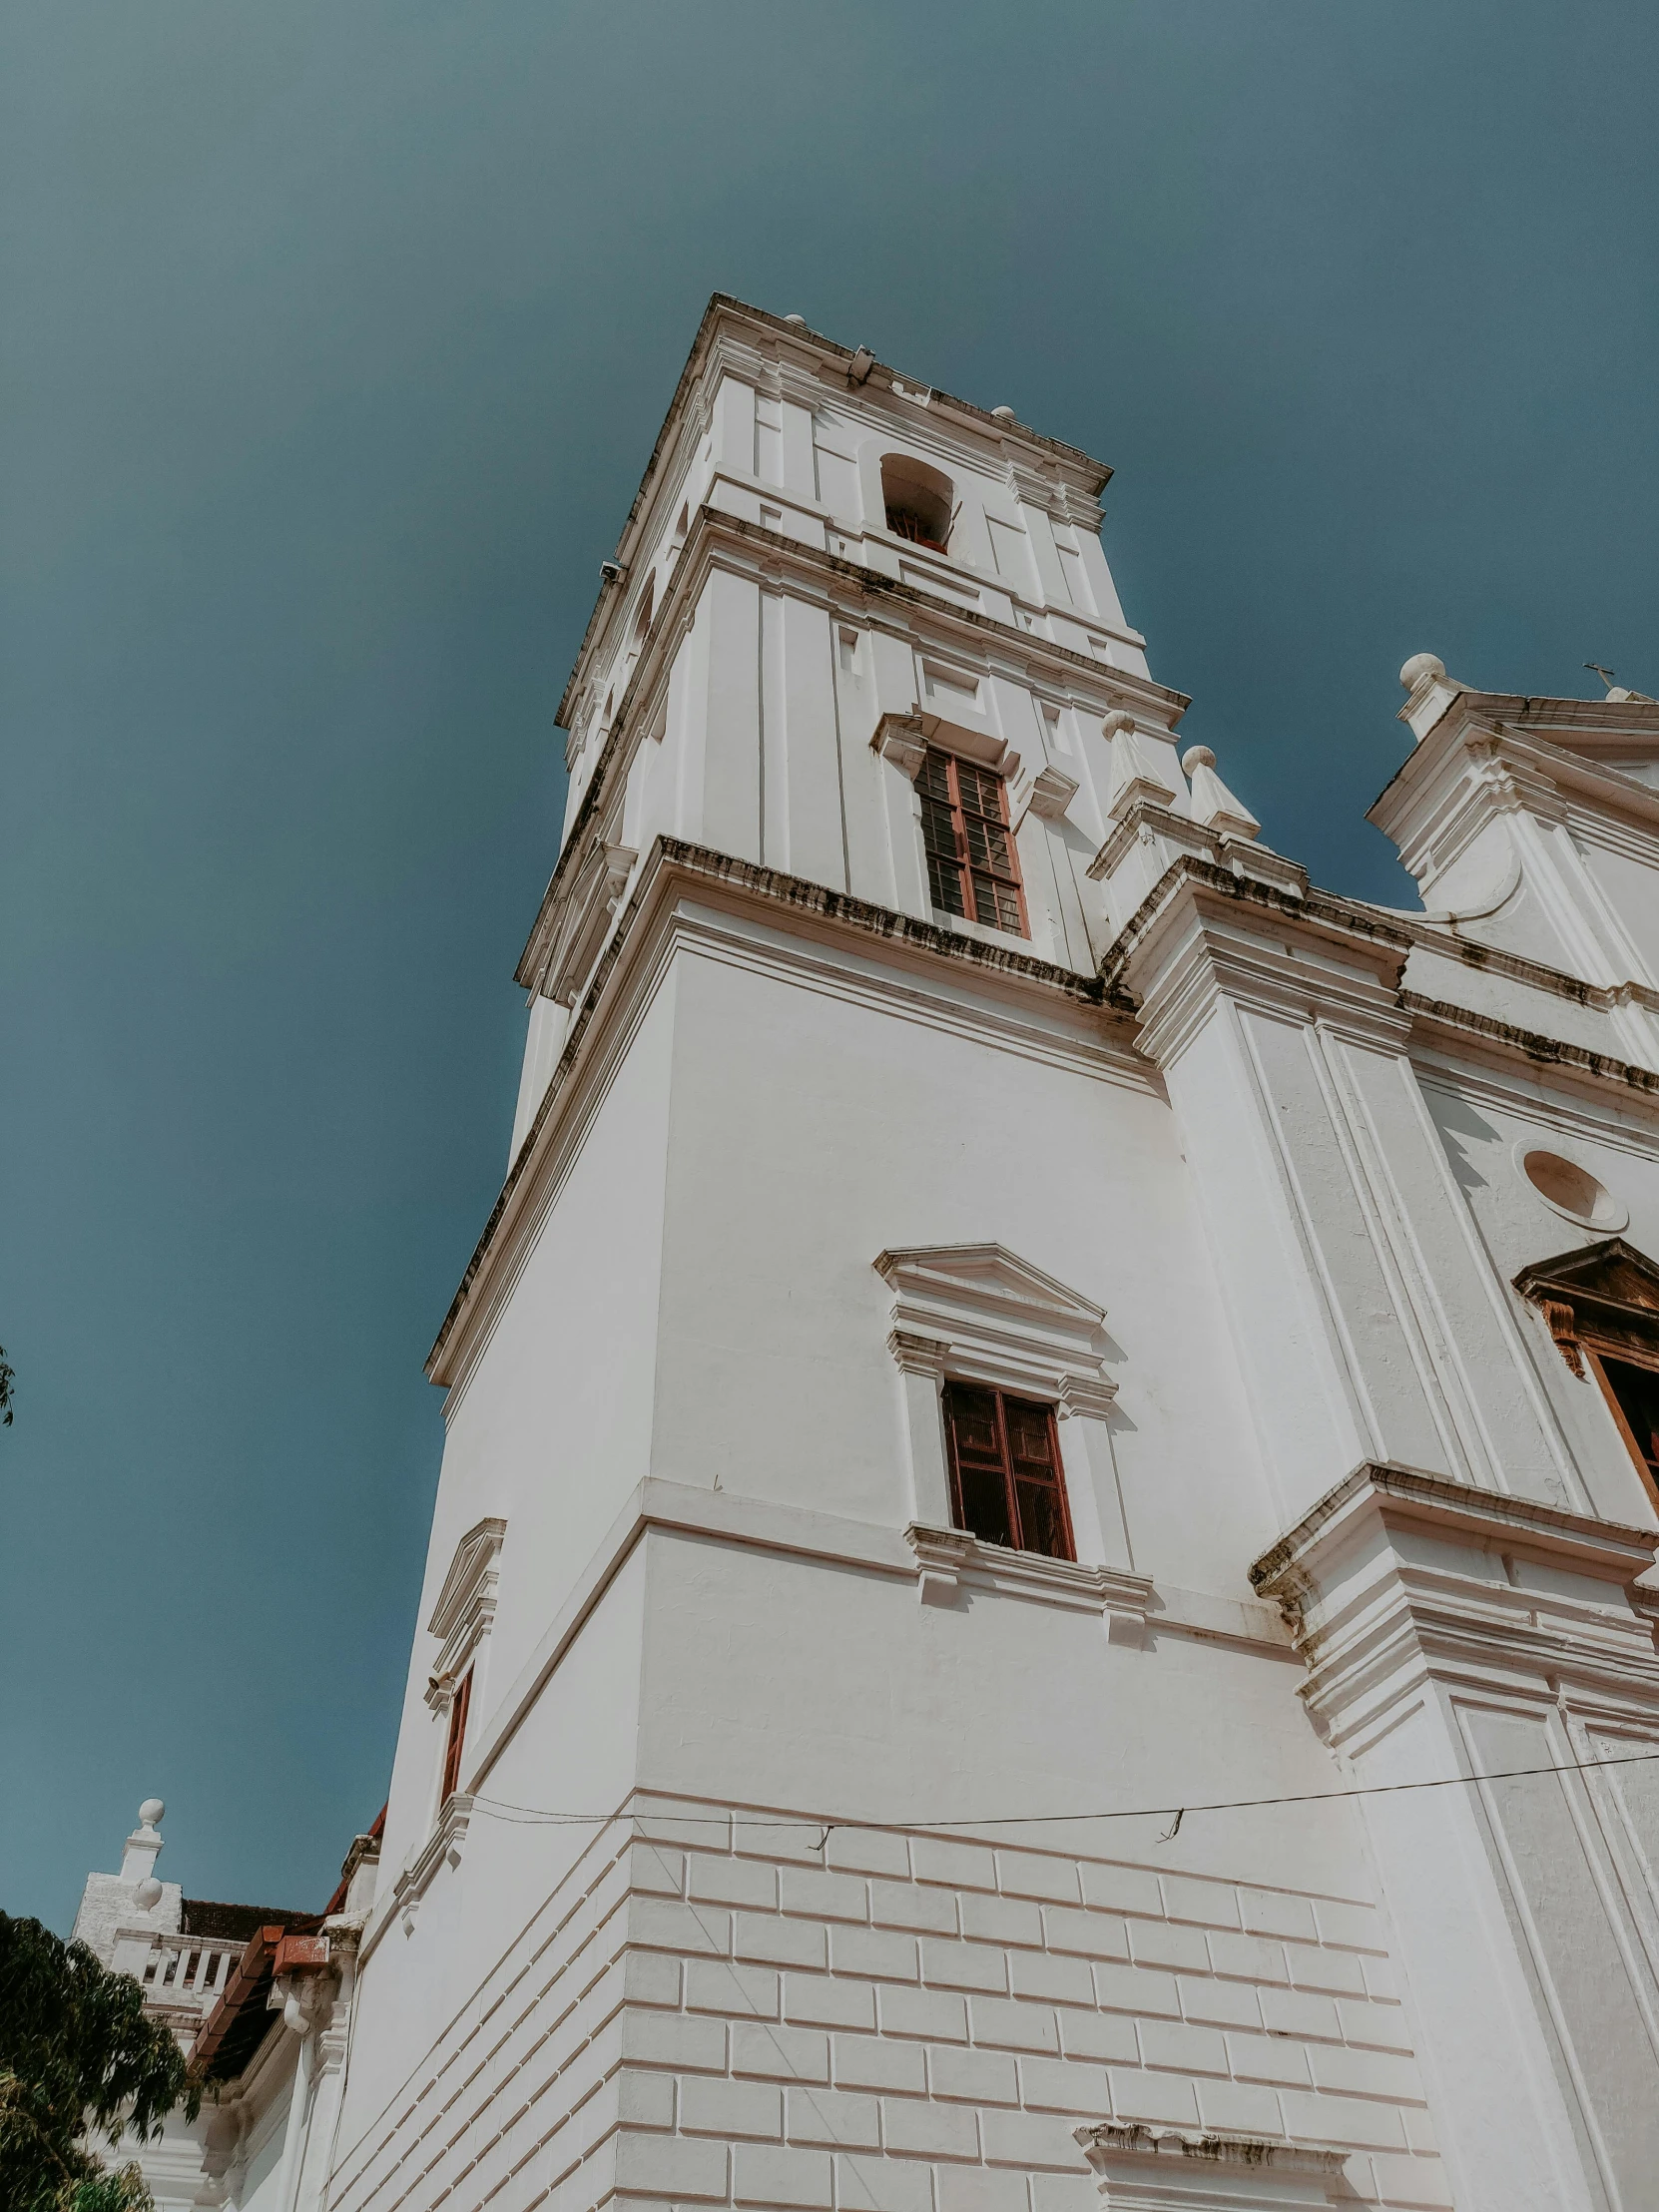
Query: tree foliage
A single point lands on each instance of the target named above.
(7, 1378)
(77, 2060)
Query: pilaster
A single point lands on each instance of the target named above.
(1367, 1320)
(1458, 1642)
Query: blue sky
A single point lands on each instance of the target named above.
(337, 334)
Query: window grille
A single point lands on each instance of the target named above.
(972, 868)
(1006, 1485)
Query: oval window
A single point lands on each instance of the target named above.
(1572, 1190)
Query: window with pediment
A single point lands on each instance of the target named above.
(1601, 1306)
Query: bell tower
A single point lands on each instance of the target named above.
(988, 1406)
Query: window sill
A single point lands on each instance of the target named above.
(952, 1566)
(442, 1848)
(960, 925)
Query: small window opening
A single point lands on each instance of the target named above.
(461, 1699)
(849, 651)
(1005, 1482)
(972, 870)
(917, 500)
(642, 620)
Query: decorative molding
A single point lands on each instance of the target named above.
(951, 1562)
(1052, 791)
(1396, 1580)
(1172, 2169)
(901, 740)
(594, 896)
(1606, 1292)
(990, 1316)
(466, 1604)
(443, 1847)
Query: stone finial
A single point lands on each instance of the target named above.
(1136, 774)
(1421, 667)
(799, 320)
(1213, 804)
(1003, 414)
(148, 1895)
(138, 1859)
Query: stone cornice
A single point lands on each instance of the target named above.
(1491, 1516)
(1544, 1052)
(1381, 1585)
(672, 865)
(1204, 929)
(1165, 2170)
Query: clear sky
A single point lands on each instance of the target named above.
(337, 334)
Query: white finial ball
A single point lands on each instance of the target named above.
(1003, 414)
(1421, 667)
(148, 1895)
(151, 1811)
(1196, 757)
(800, 320)
(1117, 720)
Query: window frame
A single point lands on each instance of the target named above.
(1008, 1465)
(961, 856)
(1596, 1351)
(460, 1705)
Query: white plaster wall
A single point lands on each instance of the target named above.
(553, 1428)
(575, 1752)
(811, 1130)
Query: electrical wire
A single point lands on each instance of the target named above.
(533, 1816)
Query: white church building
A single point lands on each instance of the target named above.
(1040, 1593)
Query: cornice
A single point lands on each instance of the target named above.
(1377, 1586)
(1539, 1052)
(849, 586)
(1142, 2166)
(1341, 919)
(1480, 759)
(1494, 1516)
(672, 865)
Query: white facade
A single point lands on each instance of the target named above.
(259, 2001)
(799, 1849)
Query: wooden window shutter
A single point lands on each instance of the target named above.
(1006, 1482)
(460, 1700)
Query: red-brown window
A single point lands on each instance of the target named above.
(461, 1699)
(1633, 1393)
(1005, 1482)
(971, 866)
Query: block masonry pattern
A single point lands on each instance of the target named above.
(720, 2015)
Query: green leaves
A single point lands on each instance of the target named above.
(77, 2058)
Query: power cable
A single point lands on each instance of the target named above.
(533, 1816)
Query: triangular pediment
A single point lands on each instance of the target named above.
(474, 1556)
(1611, 1273)
(985, 1274)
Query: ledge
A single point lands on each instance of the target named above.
(950, 1562)
(1142, 2166)
(1458, 1508)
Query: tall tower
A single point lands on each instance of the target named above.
(982, 1302)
